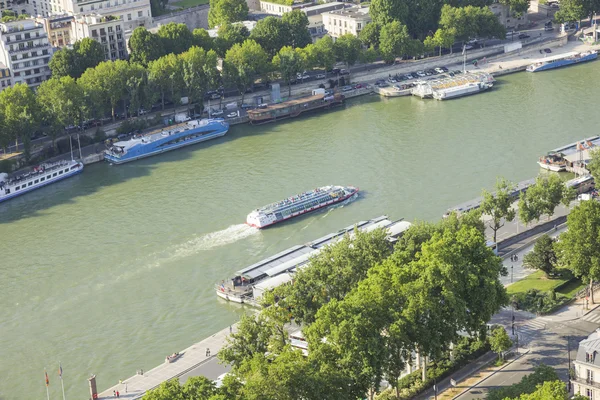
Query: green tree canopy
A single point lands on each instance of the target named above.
(443, 38)
(145, 46)
(63, 63)
(20, 114)
(594, 164)
(498, 206)
(324, 53)
(86, 53)
(369, 35)
(176, 38)
(393, 41)
(297, 26)
(226, 11)
(202, 39)
(271, 33)
(543, 197)
(528, 384)
(228, 35)
(347, 48)
(288, 62)
(543, 257)
(244, 63)
(200, 72)
(165, 76)
(579, 247)
(470, 22)
(550, 390)
(499, 341)
(386, 11)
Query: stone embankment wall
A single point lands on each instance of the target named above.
(193, 17)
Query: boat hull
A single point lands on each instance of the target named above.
(46, 183)
(562, 63)
(122, 160)
(552, 167)
(309, 210)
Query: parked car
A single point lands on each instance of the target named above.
(523, 36)
(421, 74)
(414, 75)
(554, 5)
(380, 81)
(547, 50)
(472, 41)
(232, 115)
(335, 71)
(263, 105)
(407, 76)
(359, 86)
(143, 112)
(347, 88)
(344, 72)
(468, 46)
(457, 72)
(431, 72)
(439, 70)
(216, 113)
(320, 76)
(548, 28)
(247, 106)
(392, 80)
(444, 69)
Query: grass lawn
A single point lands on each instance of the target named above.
(538, 281)
(188, 3)
(571, 288)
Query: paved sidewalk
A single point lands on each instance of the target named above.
(136, 386)
(575, 309)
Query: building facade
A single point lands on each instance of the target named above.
(350, 20)
(59, 29)
(587, 367)
(506, 17)
(107, 30)
(276, 8)
(25, 51)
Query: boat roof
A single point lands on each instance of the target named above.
(300, 255)
(476, 202)
(273, 282)
(558, 57)
(288, 103)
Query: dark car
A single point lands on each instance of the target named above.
(547, 50)
(414, 75)
(344, 72)
(335, 71)
(523, 36)
(445, 69)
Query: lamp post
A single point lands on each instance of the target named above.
(569, 364)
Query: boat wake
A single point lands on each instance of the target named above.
(212, 240)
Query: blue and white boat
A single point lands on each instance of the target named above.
(181, 135)
(42, 175)
(561, 60)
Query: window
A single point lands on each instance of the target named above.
(118, 28)
(102, 31)
(54, 174)
(128, 17)
(21, 46)
(13, 58)
(28, 35)
(73, 167)
(27, 64)
(37, 181)
(30, 183)
(590, 376)
(60, 172)
(30, 44)
(18, 37)
(34, 54)
(589, 393)
(36, 71)
(42, 179)
(17, 74)
(119, 36)
(110, 29)
(139, 14)
(94, 33)
(111, 38)
(17, 188)
(45, 52)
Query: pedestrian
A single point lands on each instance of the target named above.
(114, 394)
(125, 388)
(230, 330)
(516, 257)
(555, 228)
(118, 394)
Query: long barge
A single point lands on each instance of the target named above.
(295, 107)
(562, 60)
(249, 283)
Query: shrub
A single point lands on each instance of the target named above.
(99, 136)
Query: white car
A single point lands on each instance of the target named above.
(472, 41)
(468, 47)
(439, 70)
(320, 76)
(219, 380)
(422, 74)
(216, 113)
(232, 115)
(392, 80)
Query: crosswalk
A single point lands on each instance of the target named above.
(592, 317)
(529, 330)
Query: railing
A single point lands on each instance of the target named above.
(29, 48)
(588, 382)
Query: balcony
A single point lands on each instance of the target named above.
(587, 382)
(34, 47)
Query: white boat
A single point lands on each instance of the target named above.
(562, 60)
(553, 162)
(460, 91)
(42, 175)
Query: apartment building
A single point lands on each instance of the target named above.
(278, 9)
(59, 29)
(25, 51)
(587, 367)
(5, 78)
(507, 17)
(108, 30)
(133, 13)
(350, 20)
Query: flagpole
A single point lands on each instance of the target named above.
(60, 372)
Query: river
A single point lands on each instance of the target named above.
(110, 271)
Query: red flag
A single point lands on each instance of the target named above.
(47, 380)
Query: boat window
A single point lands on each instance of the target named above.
(74, 167)
(42, 179)
(17, 188)
(54, 174)
(60, 172)
(7, 191)
(30, 183)
(37, 181)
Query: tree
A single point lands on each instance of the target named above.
(176, 38)
(324, 53)
(443, 38)
(198, 388)
(470, 22)
(165, 76)
(594, 164)
(227, 11)
(228, 35)
(244, 63)
(272, 34)
(89, 54)
(61, 103)
(499, 341)
(20, 113)
(578, 248)
(528, 384)
(168, 390)
(555, 390)
(63, 63)
(498, 206)
(386, 11)
(369, 36)
(288, 62)
(252, 338)
(106, 83)
(369, 55)
(543, 256)
(199, 72)
(145, 46)
(347, 48)
(202, 39)
(543, 197)
(393, 41)
(518, 7)
(297, 28)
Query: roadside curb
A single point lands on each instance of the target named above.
(492, 374)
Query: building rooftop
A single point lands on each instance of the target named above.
(324, 6)
(353, 12)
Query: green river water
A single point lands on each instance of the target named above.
(110, 271)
